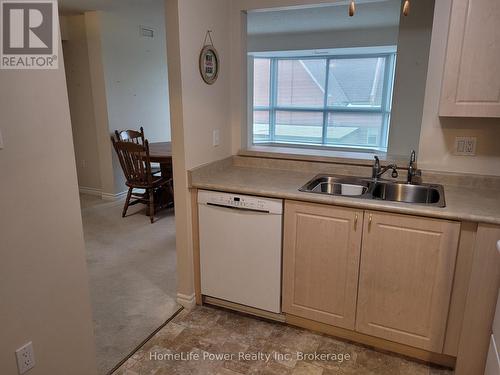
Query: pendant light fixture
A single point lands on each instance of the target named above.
(352, 8)
(406, 7)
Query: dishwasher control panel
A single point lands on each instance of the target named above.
(247, 202)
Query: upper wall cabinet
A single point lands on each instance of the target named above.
(471, 82)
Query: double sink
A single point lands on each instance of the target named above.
(377, 189)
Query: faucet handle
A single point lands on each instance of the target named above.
(413, 156)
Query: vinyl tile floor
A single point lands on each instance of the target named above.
(208, 340)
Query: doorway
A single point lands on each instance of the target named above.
(116, 72)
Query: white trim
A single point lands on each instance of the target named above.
(351, 51)
(113, 197)
(90, 191)
(186, 301)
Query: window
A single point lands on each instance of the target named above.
(335, 101)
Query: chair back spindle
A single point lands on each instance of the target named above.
(133, 136)
(135, 162)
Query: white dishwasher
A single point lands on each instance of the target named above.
(240, 249)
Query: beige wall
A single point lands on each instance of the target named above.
(411, 73)
(135, 73)
(76, 61)
(43, 279)
(136, 69)
(196, 110)
(108, 162)
(205, 106)
(437, 137)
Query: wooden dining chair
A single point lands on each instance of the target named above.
(133, 136)
(136, 137)
(136, 165)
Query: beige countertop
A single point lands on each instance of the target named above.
(462, 203)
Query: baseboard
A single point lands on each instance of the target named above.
(186, 301)
(113, 197)
(373, 342)
(90, 191)
(244, 309)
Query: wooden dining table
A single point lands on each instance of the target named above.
(161, 152)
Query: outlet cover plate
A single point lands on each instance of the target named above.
(465, 146)
(25, 358)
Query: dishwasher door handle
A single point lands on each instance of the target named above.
(239, 208)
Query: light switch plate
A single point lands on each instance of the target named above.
(465, 146)
(1, 140)
(216, 137)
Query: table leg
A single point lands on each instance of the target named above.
(168, 195)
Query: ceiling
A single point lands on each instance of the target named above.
(371, 14)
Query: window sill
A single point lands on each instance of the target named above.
(322, 156)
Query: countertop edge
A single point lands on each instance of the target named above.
(350, 202)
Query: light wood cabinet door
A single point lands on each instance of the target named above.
(321, 262)
(406, 276)
(471, 81)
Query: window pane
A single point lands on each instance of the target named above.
(297, 127)
(356, 82)
(301, 83)
(355, 129)
(261, 78)
(261, 126)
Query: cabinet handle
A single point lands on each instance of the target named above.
(356, 222)
(370, 221)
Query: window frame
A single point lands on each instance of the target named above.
(385, 108)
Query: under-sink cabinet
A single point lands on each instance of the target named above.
(322, 247)
(381, 274)
(406, 277)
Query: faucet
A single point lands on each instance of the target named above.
(378, 171)
(412, 171)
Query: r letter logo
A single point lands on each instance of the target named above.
(29, 34)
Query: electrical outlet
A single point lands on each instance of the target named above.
(216, 137)
(25, 358)
(465, 146)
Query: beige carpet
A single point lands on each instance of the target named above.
(132, 275)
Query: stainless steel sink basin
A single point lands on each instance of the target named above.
(367, 188)
(337, 185)
(400, 192)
